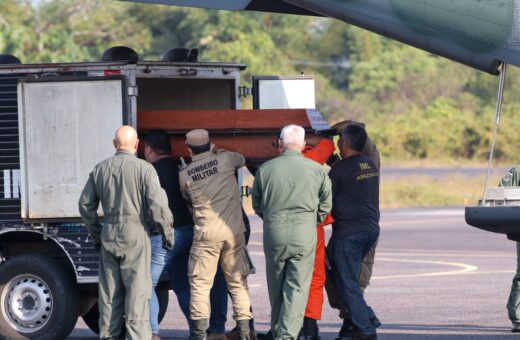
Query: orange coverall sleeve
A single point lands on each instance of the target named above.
(321, 151)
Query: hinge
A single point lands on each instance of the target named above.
(133, 91)
(244, 91)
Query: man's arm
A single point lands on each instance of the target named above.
(157, 202)
(88, 205)
(370, 150)
(257, 195)
(319, 150)
(236, 159)
(325, 196)
(184, 191)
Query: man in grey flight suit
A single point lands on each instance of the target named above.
(209, 186)
(292, 195)
(133, 201)
(512, 179)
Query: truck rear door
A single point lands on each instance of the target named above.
(66, 127)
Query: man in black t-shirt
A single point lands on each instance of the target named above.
(355, 209)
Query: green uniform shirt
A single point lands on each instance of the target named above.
(129, 191)
(209, 185)
(291, 187)
(512, 178)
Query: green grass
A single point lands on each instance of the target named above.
(425, 191)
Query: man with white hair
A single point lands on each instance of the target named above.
(292, 195)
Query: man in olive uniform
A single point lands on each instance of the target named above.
(292, 195)
(512, 179)
(133, 202)
(209, 185)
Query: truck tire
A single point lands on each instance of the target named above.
(92, 317)
(38, 298)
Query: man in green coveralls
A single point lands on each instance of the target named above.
(133, 202)
(292, 195)
(512, 179)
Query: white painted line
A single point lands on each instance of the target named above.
(465, 269)
(450, 254)
(441, 251)
(435, 212)
(418, 222)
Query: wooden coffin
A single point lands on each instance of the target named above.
(253, 133)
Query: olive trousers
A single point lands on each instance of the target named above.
(513, 304)
(289, 257)
(124, 281)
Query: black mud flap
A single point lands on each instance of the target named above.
(497, 219)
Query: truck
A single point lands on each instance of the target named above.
(57, 121)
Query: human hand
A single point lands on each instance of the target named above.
(167, 245)
(312, 140)
(340, 126)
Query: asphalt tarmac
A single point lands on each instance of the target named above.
(434, 278)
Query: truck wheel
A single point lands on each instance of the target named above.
(38, 299)
(92, 317)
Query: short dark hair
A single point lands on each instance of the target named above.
(199, 148)
(356, 137)
(159, 141)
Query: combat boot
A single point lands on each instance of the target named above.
(198, 329)
(347, 331)
(233, 334)
(310, 330)
(243, 329)
(265, 336)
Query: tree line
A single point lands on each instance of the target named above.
(416, 105)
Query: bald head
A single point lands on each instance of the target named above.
(126, 139)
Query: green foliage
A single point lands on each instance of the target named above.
(416, 105)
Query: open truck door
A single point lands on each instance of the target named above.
(61, 139)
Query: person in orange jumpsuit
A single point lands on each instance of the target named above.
(319, 150)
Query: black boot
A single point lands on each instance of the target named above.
(347, 331)
(265, 336)
(375, 321)
(243, 329)
(198, 330)
(310, 330)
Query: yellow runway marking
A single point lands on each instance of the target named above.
(465, 269)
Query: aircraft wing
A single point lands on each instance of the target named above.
(480, 34)
(274, 6)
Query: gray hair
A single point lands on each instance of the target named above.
(293, 137)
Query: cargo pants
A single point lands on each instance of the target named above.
(513, 304)
(202, 267)
(124, 281)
